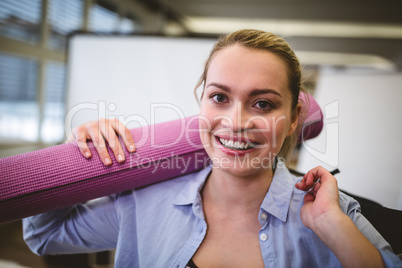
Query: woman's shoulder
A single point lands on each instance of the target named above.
(348, 203)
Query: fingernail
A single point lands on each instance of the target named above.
(87, 155)
(107, 161)
(132, 148)
(120, 158)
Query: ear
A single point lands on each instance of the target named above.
(295, 120)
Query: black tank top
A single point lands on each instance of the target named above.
(191, 264)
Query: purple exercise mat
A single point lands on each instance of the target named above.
(60, 176)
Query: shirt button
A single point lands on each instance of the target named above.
(263, 237)
(263, 216)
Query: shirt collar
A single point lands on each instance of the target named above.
(277, 200)
(191, 191)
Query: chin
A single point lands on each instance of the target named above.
(242, 164)
(239, 163)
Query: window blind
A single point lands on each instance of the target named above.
(20, 19)
(103, 19)
(64, 18)
(19, 111)
(18, 78)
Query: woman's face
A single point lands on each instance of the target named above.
(245, 110)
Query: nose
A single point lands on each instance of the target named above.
(238, 118)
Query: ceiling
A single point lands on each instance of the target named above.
(342, 32)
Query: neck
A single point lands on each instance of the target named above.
(229, 192)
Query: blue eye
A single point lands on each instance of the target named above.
(220, 98)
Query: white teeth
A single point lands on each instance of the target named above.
(236, 145)
(230, 144)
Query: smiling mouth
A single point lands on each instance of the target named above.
(236, 145)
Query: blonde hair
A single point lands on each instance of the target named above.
(274, 44)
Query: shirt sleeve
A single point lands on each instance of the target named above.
(87, 227)
(352, 208)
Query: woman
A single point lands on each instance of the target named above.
(244, 210)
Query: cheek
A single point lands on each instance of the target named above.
(208, 115)
(277, 131)
(205, 120)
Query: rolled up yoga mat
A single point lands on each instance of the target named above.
(60, 176)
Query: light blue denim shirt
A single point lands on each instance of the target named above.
(163, 225)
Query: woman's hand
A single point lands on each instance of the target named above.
(322, 200)
(100, 132)
(322, 214)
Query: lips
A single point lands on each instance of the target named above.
(234, 145)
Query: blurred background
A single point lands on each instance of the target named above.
(351, 51)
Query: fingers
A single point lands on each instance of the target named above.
(306, 183)
(317, 174)
(311, 195)
(320, 173)
(125, 134)
(110, 135)
(78, 136)
(81, 139)
(100, 145)
(100, 132)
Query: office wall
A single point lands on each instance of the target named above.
(142, 80)
(362, 133)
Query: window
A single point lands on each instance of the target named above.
(32, 65)
(103, 19)
(52, 129)
(19, 111)
(126, 26)
(64, 18)
(20, 19)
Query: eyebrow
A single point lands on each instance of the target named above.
(255, 92)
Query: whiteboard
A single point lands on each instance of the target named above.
(138, 79)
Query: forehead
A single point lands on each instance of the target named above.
(237, 65)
